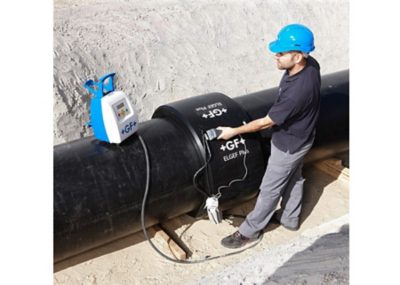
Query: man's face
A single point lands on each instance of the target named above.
(286, 60)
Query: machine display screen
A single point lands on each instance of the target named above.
(121, 110)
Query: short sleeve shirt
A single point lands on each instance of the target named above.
(296, 109)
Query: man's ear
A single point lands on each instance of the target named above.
(298, 58)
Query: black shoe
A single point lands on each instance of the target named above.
(236, 240)
(275, 220)
(291, 228)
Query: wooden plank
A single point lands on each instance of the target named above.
(334, 168)
(167, 242)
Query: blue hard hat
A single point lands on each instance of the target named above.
(293, 37)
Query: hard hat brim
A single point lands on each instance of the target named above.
(275, 47)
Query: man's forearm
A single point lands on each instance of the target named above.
(255, 126)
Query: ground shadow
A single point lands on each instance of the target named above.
(326, 261)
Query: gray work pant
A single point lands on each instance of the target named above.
(282, 178)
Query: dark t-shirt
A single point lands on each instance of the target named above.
(296, 109)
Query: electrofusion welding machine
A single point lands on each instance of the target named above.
(112, 116)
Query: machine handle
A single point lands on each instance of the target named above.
(109, 86)
(88, 85)
(101, 88)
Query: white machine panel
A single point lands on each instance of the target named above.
(120, 119)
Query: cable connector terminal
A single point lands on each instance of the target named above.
(213, 212)
(212, 134)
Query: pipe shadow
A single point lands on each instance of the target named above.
(108, 248)
(169, 227)
(316, 183)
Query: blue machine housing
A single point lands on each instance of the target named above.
(99, 89)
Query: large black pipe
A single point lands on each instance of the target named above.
(99, 187)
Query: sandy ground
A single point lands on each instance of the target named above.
(315, 254)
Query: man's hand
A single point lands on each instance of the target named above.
(227, 133)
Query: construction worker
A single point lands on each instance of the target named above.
(292, 118)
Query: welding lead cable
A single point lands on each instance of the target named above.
(239, 179)
(202, 168)
(145, 230)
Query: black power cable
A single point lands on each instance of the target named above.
(202, 168)
(145, 230)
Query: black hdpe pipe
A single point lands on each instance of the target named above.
(99, 187)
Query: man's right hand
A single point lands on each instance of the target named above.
(227, 133)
